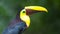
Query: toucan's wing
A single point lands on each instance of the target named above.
(15, 29)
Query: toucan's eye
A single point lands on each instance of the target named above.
(23, 11)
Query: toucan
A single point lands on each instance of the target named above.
(22, 20)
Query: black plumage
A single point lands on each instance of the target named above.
(16, 26)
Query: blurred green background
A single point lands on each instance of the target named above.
(41, 23)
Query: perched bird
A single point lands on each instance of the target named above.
(22, 20)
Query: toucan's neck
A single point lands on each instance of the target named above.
(15, 20)
(18, 19)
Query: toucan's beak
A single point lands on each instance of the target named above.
(34, 9)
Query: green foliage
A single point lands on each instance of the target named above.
(41, 23)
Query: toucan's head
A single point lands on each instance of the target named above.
(28, 10)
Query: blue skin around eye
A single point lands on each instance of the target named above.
(15, 29)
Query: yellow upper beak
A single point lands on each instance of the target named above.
(38, 8)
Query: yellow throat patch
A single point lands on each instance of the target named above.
(25, 17)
